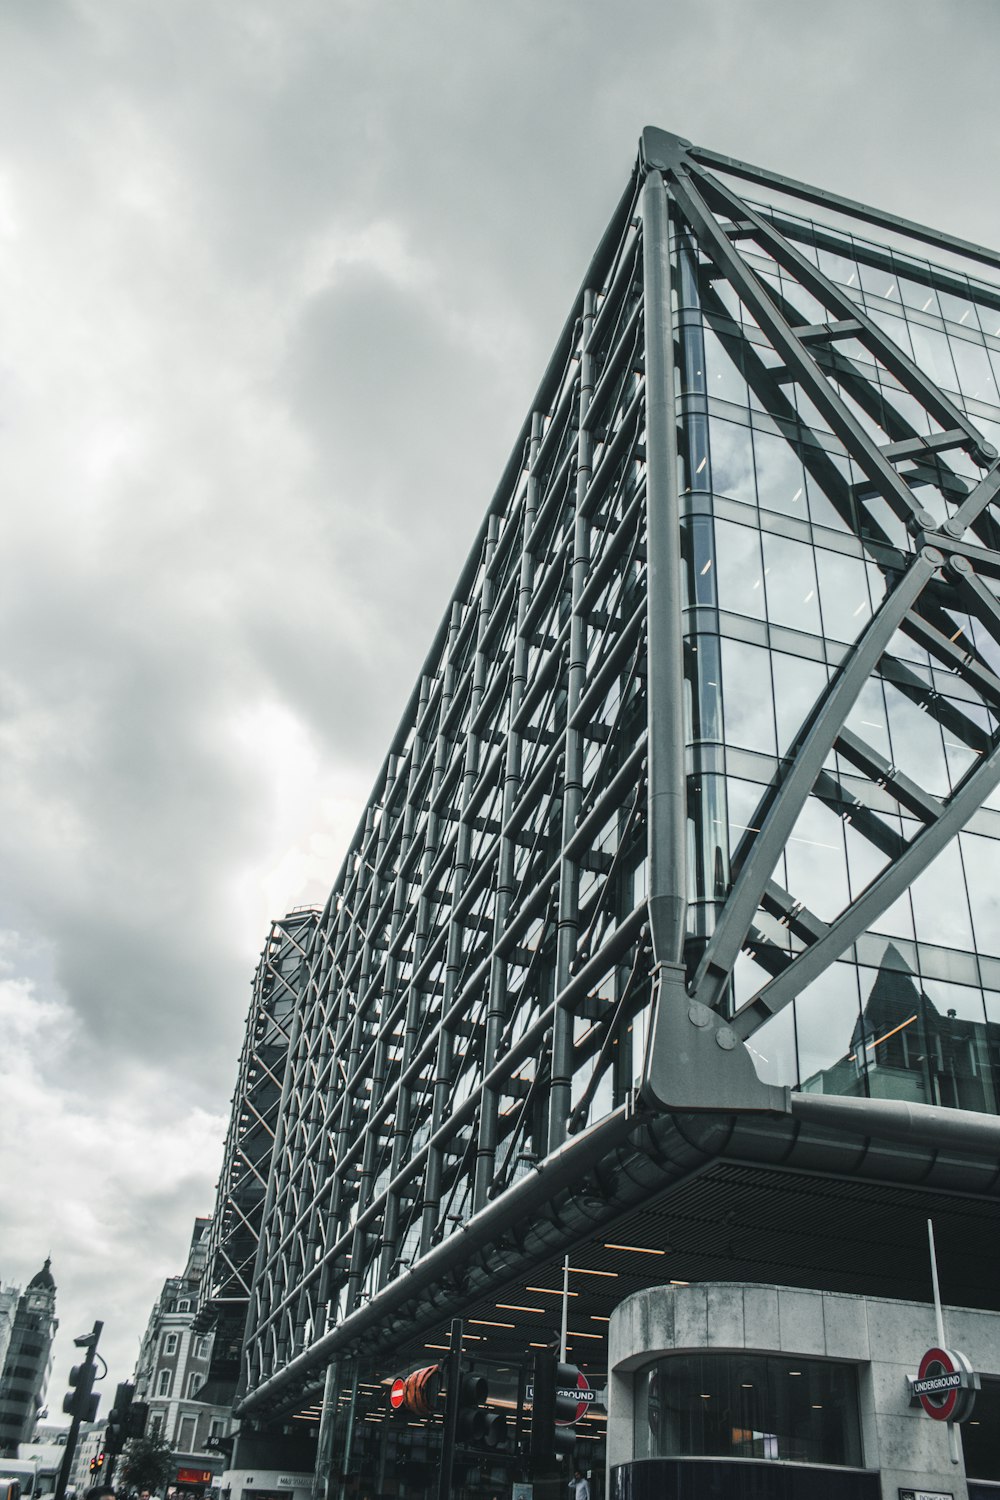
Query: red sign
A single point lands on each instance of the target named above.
(194, 1476)
(584, 1396)
(397, 1394)
(945, 1385)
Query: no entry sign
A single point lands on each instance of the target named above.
(397, 1394)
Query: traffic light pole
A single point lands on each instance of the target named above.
(81, 1399)
(450, 1412)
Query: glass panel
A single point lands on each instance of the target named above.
(781, 484)
(880, 282)
(752, 1406)
(917, 747)
(843, 595)
(724, 369)
(893, 1043)
(772, 1047)
(957, 308)
(918, 295)
(940, 906)
(975, 373)
(868, 718)
(895, 328)
(798, 684)
(747, 697)
(817, 862)
(743, 800)
(982, 862)
(963, 1073)
(732, 461)
(827, 1013)
(790, 581)
(932, 352)
(841, 268)
(740, 569)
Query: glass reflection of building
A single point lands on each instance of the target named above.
(903, 1046)
(706, 745)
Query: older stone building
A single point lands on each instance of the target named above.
(27, 1362)
(173, 1367)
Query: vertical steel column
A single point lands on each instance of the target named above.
(443, 1080)
(497, 1015)
(360, 1243)
(271, 1223)
(351, 1016)
(442, 1062)
(414, 1011)
(321, 1487)
(560, 1085)
(667, 818)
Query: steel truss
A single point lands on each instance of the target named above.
(529, 953)
(224, 1290)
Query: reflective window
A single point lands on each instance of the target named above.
(798, 685)
(917, 746)
(748, 1406)
(724, 369)
(772, 1046)
(781, 484)
(975, 373)
(880, 281)
(838, 267)
(843, 595)
(932, 352)
(826, 1022)
(957, 308)
(982, 863)
(816, 862)
(918, 295)
(790, 584)
(732, 462)
(747, 697)
(940, 905)
(740, 569)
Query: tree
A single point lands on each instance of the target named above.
(146, 1462)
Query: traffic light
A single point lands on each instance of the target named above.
(555, 1401)
(116, 1434)
(97, 1463)
(478, 1425)
(568, 1382)
(80, 1401)
(135, 1421)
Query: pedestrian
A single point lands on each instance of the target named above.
(579, 1486)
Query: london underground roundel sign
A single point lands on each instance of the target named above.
(945, 1385)
(580, 1392)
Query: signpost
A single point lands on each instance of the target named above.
(946, 1385)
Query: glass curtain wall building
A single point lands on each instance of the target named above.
(670, 937)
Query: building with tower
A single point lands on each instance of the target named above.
(172, 1372)
(666, 957)
(27, 1363)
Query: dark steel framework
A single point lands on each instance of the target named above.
(557, 974)
(224, 1290)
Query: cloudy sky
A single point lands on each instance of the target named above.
(277, 281)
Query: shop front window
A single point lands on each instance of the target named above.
(752, 1406)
